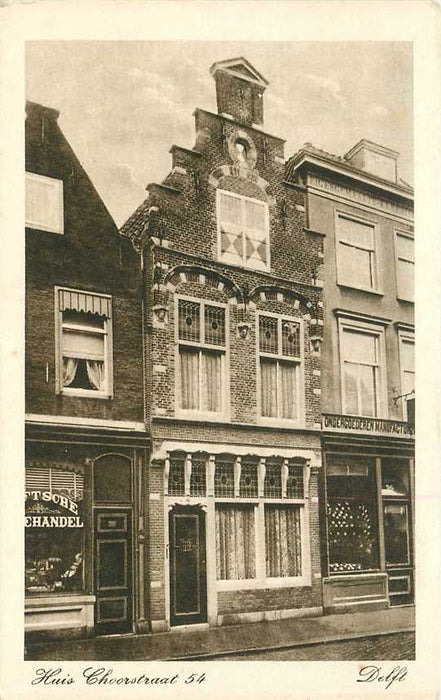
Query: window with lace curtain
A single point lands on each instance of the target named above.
(84, 344)
(280, 367)
(201, 337)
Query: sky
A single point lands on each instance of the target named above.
(123, 104)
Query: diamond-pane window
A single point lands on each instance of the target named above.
(248, 480)
(176, 481)
(273, 481)
(198, 478)
(290, 338)
(268, 334)
(243, 231)
(224, 479)
(189, 320)
(214, 325)
(294, 484)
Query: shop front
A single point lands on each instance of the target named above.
(83, 553)
(368, 515)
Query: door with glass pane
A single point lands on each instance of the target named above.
(187, 551)
(113, 570)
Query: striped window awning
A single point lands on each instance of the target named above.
(64, 482)
(71, 300)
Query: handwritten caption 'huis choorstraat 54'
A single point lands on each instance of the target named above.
(106, 676)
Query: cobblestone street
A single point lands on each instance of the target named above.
(391, 646)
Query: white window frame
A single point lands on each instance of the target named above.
(261, 580)
(376, 287)
(242, 198)
(401, 233)
(404, 337)
(300, 372)
(57, 185)
(371, 329)
(201, 346)
(108, 351)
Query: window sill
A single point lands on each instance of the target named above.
(406, 301)
(201, 416)
(244, 267)
(281, 422)
(85, 393)
(253, 584)
(375, 292)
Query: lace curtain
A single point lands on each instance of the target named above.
(283, 541)
(235, 542)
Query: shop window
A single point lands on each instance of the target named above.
(280, 366)
(356, 254)
(54, 532)
(235, 542)
(395, 491)
(112, 479)
(201, 331)
(243, 230)
(84, 345)
(362, 364)
(405, 265)
(352, 516)
(44, 203)
(283, 542)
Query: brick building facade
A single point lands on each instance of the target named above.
(365, 215)
(233, 324)
(85, 433)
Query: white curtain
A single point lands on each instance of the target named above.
(95, 373)
(268, 380)
(288, 390)
(70, 366)
(189, 379)
(235, 542)
(283, 541)
(212, 381)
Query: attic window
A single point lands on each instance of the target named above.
(44, 203)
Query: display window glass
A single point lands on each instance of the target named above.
(54, 531)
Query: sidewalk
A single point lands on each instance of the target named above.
(207, 643)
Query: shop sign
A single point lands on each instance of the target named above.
(367, 426)
(40, 511)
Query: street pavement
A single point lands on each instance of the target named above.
(388, 647)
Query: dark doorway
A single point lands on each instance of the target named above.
(188, 582)
(113, 570)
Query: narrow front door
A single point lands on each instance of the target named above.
(113, 570)
(188, 585)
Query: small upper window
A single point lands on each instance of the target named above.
(243, 229)
(84, 344)
(405, 261)
(44, 203)
(356, 255)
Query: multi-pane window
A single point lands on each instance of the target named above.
(243, 231)
(356, 263)
(280, 361)
(44, 203)
(361, 370)
(84, 345)
(407, 363)
(224, 478)
(202, 346)
(405, 261)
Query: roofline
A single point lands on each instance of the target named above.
(345, 169)
(50, 111)
(376, 147)
(225, 65)
(257, 129)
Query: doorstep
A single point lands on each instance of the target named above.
(217, 641)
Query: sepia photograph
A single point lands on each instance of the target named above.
(220, 391)
(217, 315)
